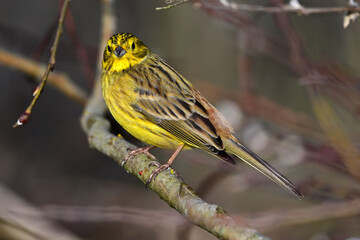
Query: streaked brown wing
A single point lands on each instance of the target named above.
(168, 100)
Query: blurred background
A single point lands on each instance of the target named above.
(288, 83)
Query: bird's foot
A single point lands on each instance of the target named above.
(161, 168)
(138, 151)
(158, 170)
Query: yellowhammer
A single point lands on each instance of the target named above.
(157, 105)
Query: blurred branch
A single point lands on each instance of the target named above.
(15, 225)
(323, 212)
(267, 109)
(315, 79)
(80, 49)
(140, 216)
(265, 221)
(244, 63)
(167, 185)
(330, 80)
(339, 139)
(50, 68)
(46, 38)
(61, 81)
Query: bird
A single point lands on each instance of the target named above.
(160, 107)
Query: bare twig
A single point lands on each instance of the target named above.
(60, 81)
(171, 4)
(286, 8)
(51, 66)
(300, 10)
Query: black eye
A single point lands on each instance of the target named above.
(133, 46)
(119, 51)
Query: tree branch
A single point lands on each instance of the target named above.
(50, 67)
(167, 184)
(287, 8)
(293, 8)
(171, 4)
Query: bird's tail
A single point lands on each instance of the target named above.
(245, 154)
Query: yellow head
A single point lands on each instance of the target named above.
(124, 51)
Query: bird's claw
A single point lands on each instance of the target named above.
(154, 173)
(155, 163)
(136, 151)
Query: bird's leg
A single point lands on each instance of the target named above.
(138, 151)
(165, 166)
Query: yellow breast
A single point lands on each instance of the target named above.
(119, 93)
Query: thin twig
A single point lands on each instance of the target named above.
(171, 5)
(300, 10)
(285, 8)
(50, 68)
